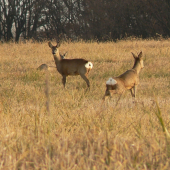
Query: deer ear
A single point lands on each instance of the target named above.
(134, 55)
(140, 55)
(58, 44)
(50, 45)
(65, 54)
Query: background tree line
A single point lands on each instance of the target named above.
(83, 19)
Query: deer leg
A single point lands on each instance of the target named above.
(64, 80)
(135, 90)
(107, 93)
(85, 79)
(131, 90)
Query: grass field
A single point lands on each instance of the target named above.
(44, 126)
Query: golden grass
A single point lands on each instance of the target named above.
(79, 131)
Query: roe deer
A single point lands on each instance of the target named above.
(70, 67)
(43, 67)
(126, 81)
(46, 67)
(63, 56)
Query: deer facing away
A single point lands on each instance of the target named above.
(126, 81)
(70, 67)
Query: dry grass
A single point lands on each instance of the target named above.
(76, 130)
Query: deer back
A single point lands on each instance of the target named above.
(72, 66)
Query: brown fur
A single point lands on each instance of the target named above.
(63, 56)
(70, 67)
(128, 80)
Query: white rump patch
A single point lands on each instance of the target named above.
(89, 65)
(111, 81)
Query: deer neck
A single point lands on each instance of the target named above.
(56, 58)
(137, 67)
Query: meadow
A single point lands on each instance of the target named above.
(44, 126)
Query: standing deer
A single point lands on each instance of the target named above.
(70, 67)
(126, 81)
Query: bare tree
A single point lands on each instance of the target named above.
(7, 18)
(21, 8)
(86, 19)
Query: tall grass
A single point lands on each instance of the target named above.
(44, 126)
